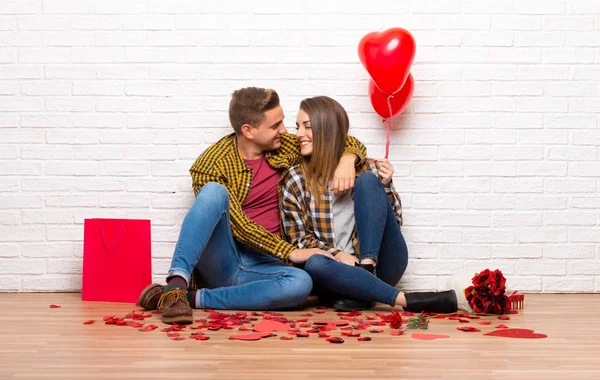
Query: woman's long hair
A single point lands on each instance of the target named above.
(329, 124)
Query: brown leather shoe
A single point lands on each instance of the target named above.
(175, 307)
(150, 295)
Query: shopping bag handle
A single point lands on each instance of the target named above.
(118, 240)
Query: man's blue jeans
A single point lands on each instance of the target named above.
(380, 239)
(236, 277)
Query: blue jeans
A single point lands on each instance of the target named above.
(236, 276)
(380, 239)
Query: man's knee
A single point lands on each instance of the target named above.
(317, 265)
(213, 195)
(297, 287)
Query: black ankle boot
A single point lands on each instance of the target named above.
(350, 304)
(432, 302)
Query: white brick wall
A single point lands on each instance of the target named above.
(105, 104)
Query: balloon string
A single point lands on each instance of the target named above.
(387, 126)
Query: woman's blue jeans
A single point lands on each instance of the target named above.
(236, 276)
(380, 239)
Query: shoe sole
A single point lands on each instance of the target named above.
(145, 293)
(180, 319)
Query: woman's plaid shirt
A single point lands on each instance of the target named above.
(308, 222)
(222, 163)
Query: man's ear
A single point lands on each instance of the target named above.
(247, 131)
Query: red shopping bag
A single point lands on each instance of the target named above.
(116, 259)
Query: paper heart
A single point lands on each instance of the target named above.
(388, 56)
(268, 326)
(255, 336)
(429, 336)
(325, 322)
(516, 333)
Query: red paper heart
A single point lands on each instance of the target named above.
(255, 336)
(388, 56)
(268, 326)
(429, 336)
(325, 322)
(516, 333)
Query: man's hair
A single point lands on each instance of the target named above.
(329, 124)
(248, 105)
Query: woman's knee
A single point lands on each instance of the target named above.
(367, 180)
(317, 265)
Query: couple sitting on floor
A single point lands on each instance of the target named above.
(276, 213)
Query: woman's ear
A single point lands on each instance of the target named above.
(247, 131)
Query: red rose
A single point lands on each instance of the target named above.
(479, 304)
(483, 278)
(499, 282)
(396, 319)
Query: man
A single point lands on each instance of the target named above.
(231, 234)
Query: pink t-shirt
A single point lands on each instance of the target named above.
(262, 204)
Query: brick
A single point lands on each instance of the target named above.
(489, 202)
(65, 266)
(147, 22)
(525, 284)
(20, 7)
(491, 137)
(8, 71)
(585, 235)
(69, 168)
(516, 251)
(422, 218)
(431, 267)
(54, 282)
(567, 285)
(585, 202)
(70, 104)
(572, 154)
(65, 233)
(466, 219)
(120, 38)
(494, 169)
(464, 251)
(516, 219)
(47, 249)
(488, 235)
(586, 138)
(124, 200)
(541, 267)
(20, 234)
(21, 168)
(517, 153)
(75, 200)
(568, 23)
(544, 202)
(518, 185)
(545, 137)
(570, 185)
(507, 266)
(515, 22)
(570, 122)
(124, 137)
(69, 38)
(539, 39)
(118, 7)
(10, 218)
(125, 169)
(544, 235)
(464, 185)
(22, 266)
(122, 104)
(100, 88)
(47, 216)
(584, 169)
(46, 120)
(69, 72)
(9, 250)
(543, 72)
(9, 152)
(442, 201)
(155, 88)
(522, 88)
(116, 71)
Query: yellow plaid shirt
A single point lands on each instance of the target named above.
(307, 221)
(222, 163)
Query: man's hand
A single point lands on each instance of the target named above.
(300, 256)
(345, 258)
(385, 170)
(343, 177)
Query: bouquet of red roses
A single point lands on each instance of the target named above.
(486, 296)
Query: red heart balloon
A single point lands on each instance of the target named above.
(387, 56)
(398, 102)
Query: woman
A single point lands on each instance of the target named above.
(360, 229)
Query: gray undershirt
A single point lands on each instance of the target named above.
(343, 221)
